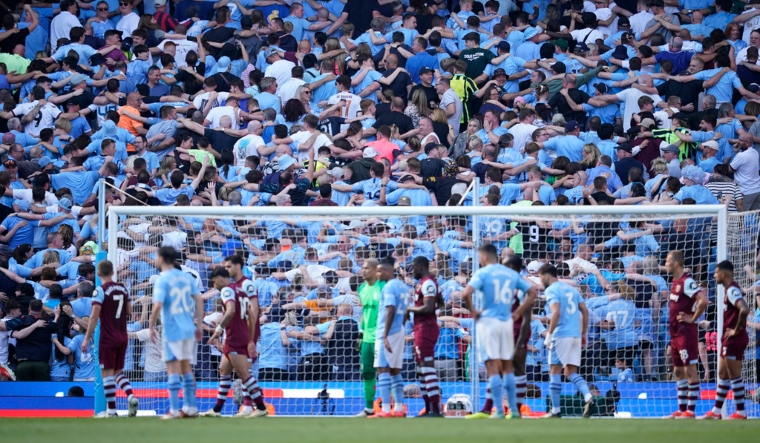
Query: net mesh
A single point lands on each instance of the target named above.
(308, 270)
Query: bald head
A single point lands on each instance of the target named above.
(398, 103)
(225, 122)
(253, 125)
(646, 80)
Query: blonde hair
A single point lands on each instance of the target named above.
(593, 155)
(438, 115)
(659, 165)
(63, 124)
(476, 144)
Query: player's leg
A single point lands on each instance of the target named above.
(734, 366)
(109, 386)
(521, 377)
(692, 376)
(174, 381)
(225, 380)
(495, 383)
(242, 365)
(190, 406)
(721, 390)
(126, 387)
(485, 334)
(397, 388)
(571, 374)
(382, 366)
(429, 373)
(555, 386)
(678, 358)
(368, 377)
(421, 375)
(506, 353)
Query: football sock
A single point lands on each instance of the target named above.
(683, 394)
(433, 389)
(580, 385)
(509, 387)
(555, 388)
(384, 386)
(188, 388)
(109, 386)
(423, 388)
(369, 390)
(720, 395)
(252, 386)
(397, 386)
(124, 385)
(175, 384)
(693, 396)
(247, 400)
(521, 385)
(737, 385)
(488, 405)
(224, 388)
(496, 388)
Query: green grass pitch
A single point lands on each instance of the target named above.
(338, 430)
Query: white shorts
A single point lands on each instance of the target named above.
(181, 350)
(565, 351)
(385, 359)
(496, 338)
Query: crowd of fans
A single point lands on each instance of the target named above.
(372, 102)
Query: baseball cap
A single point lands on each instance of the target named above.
(529, 33)
(406, 178)
(712, 144)
(369, 152)
(336, 172)
(671, 148)
(404, 201)
(559, 68)
(23, 205)
(159, 3)
(77, 78)
(623, 21)
(285, 161)
(65, 203)
(425, 70)
(268, 52)
(43, 161)
(503, 45)
(109, 127)
(601, 87)
(561, 42)
(625, 147)
(97, 59)
(223, 63)
(9, 138)
(647, 123)
(429, 147)
(533, 267)
(10, 163)
(73, 101)
(499, 72)
(572, 125)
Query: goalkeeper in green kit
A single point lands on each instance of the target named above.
(369, 294)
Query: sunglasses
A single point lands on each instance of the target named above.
(102, 9)
(123, 4)
(307, 92)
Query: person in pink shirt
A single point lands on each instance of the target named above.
(383, 145)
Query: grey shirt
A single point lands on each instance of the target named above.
(447, 98)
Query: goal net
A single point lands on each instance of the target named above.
(306, 264)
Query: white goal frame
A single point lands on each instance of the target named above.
(718, 211)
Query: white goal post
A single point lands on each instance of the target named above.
(474, 386)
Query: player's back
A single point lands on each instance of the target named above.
(622, 313)
(682, 299)
(495, 286)
(237, 332)
(730, 311)
(427, 287)
(248, 289)
(397, 294)
(113, 299)
(568, 298)
(175, 289)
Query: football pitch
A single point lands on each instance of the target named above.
(338, 430)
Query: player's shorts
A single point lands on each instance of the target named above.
(181, 350)
(566, 351)
(235, 349)
(385, 359)
(734, 347)
(684, 351)
(112, 355)
(367, 357)
(496, 337)
(425, 338)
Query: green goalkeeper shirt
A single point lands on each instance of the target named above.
(370, 298)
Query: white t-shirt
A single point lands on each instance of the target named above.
(128, 23)
(200, 101)
(45, 117)
(523, 134)
(246, 146)
(639, 21)
(586, 36)
(631, 98)
(749, 26)
(154, 360)
(315, 273)
(216, 114)
(302, 137)
(280, 70)
(288, 90)
(26, 194)
(746, 164)
(741, 56)
(430, 138)
(183, 47)
(604, 14)
(352, 104)
(61, 26)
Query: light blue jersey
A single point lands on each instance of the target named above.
(495, 285)
(397, 294)
(569, 299)
(176, 290)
